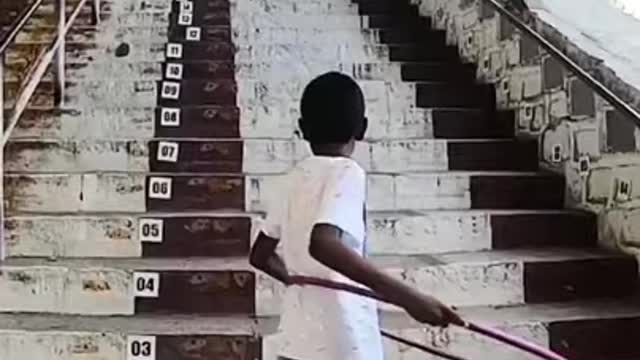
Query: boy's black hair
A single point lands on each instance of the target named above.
(333, 110)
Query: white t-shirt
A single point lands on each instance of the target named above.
(318, 323)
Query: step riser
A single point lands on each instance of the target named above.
(386, 21)
(595, 339)
(407, 53)
(455, 96)
(162, 236)
(395, 9)
(495, 193)
(131, 192)
(493, 156)
(105, 291)
(434, 40)
(570, 281)
(424, 72)
(472, 124)
(259, 156)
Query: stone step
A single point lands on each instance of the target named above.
(261, 155)
(84, 53)
(139, 192)
(256, 122)
(144, 19)
(227, 234)
(207, 9)
(229, 286)
(203, 69)
(130, 236)
(223, 34)
(281, 7)
(242, 19)
(105, 93)
(127, 287)
(277, 122)
(590, 330)
(506, 277)
(381, 95)
(51, 337)
(431, 232)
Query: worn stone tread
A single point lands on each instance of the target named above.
(547, 254)
(226, 233)
(128, 192)
(264, 325)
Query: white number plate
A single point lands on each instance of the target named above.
(141, 348)
(146, 284)
(150, 230)
(160, 188)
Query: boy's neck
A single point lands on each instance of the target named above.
(333, 150)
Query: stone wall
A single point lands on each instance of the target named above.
(580, 133)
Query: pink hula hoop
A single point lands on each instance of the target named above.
(494, 334)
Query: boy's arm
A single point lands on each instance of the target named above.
(264, 257)
(327, 247)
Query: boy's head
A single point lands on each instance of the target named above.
(333, 110)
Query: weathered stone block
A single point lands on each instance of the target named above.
(507, 29)
(620, 132)
(582, 98)
(529, 49)
(525, 83)
(553, 73)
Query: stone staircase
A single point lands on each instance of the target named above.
(131, 206)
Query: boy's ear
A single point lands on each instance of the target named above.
(359, 133)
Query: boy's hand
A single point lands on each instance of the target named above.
(427, 309)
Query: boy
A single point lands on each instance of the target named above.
(322, 228)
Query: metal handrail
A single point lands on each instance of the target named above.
(53, 54)
(592, 82)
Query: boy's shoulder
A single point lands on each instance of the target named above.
(329, 171)
(336, 165)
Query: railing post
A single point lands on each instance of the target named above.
(3, 250)
(59, 60)
(95, 12)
